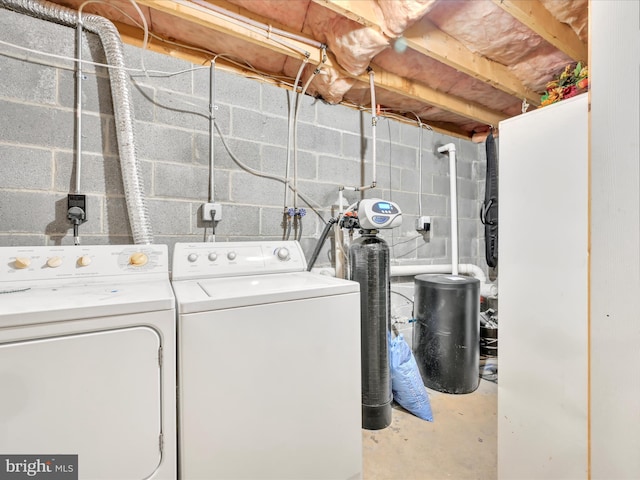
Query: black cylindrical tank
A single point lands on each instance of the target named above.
(369, 266)
(446, 332)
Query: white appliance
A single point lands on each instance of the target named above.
(544, 250)
(87, 358)
(269, 365)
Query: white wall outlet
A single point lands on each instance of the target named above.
(423, 224)
(208, 209)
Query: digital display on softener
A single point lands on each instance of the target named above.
(375, 213)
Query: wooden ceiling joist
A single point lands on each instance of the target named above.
(533, 14)
(424, 37)
(418, 91)
(386, 80)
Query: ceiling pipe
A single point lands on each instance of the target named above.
(450, 148)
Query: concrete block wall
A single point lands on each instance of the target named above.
(37, 159)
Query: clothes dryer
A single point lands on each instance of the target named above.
(87, 359)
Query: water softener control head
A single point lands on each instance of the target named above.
(374, 214)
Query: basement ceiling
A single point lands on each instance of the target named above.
(460, 66)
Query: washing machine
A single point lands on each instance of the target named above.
(268, 365)
(88, 361)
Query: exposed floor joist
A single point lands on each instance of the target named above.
(533, 14)
(426, 38)
(199, 15)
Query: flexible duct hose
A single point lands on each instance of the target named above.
(121, 97)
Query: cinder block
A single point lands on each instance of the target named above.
(339, 170)
(464, 169)
(257, 127)
(338, 117)
(468, 208)
(434, 205)
(274, 160)
(409, 181)
(116, 217)
(467, 188)
(238, 221)
(169, 217)
(26, 81)
(143, 102)
(17, 239)
(252, 190)
(246, 151)
(157, 142)
(354, 146)
(14, 25)
(276, 101)
(33, 125)
(98, 174)
(441, 185)
(467, 150)
(27, 212)
(176, 110)
(320, 140)
(26, 168)
(162, 70)
(180, 181)
(237, 90)
(271, 221)
(435, 163)
(96, 92)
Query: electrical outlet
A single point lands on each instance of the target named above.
(208, 208)
(423, 224)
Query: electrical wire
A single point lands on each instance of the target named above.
(311, 204)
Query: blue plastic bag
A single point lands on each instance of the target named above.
(406, 382)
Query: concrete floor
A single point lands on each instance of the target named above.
(461, 442)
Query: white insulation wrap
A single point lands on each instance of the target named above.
(112, 45)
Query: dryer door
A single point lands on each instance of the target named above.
(95, 394)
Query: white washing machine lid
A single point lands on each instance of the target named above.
(60, 302)
(220, 293)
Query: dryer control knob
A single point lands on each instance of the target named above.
(192, 257)
(84, 261)
(213, 256)
(283, 253)
(54, 262)
(231, 256)
(22, 262)
(138, 259)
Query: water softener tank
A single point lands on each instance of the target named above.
(369, 266)
(446, 332)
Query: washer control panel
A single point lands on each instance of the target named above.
(68, 262)
(226, 259)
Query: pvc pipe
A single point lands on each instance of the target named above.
(453, 177)
(486, 289)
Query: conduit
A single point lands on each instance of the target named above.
(374, 123)
(450, 148)
(212, 121)
(121, 97)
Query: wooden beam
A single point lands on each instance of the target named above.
(204, 17)
(532, 14)
(450, 103)
(383, 79)
(427, 39)
(356, 10)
